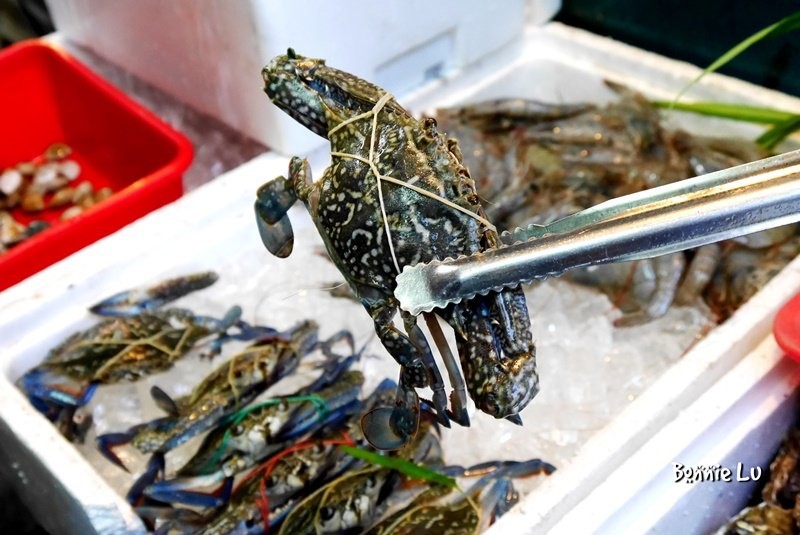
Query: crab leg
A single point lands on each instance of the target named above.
(146, 299)
(458, 398)
(437, 384)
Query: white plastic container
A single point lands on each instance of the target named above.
(208, 53)
(596, 490)
(212, 227)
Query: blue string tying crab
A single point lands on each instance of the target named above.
(139, 338)
(397, 194)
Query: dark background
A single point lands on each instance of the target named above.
(699, 31)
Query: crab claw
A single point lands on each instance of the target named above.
(60, 400)
(106, 444)
(150, 298)
(273, 200)
(231, 327)
(390, 428)
(459, 413)
(277, 238)
(529, 468)
(164, 401)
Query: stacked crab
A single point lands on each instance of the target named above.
(297, 461)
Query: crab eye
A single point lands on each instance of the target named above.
(291, 54)
(326, 513)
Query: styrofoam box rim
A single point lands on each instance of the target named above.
(704, 365)
(211, 67)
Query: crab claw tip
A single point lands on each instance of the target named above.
(106, 444)
(515, 419)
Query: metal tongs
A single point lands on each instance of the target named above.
(690, 213)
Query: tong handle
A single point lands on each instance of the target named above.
(682, 215)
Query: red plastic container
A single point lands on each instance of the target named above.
(46, 96)
(787, 328)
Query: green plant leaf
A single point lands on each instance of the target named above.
(408, 468)
(779, 132)
(785, 25)
(739, 112)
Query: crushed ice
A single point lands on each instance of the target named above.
(589, 370)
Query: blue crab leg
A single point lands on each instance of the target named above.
(231, 319)
(179, 491)
(511, 469)
(146, 299)
(515, 419)
(155, 466)
(326, 345)
(107, 442)
(309, 422)
(278, 238)
(437, 384)
(164, 401)
(173, 519)
(274, 198)
(458, 397)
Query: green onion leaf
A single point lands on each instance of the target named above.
(403, 466)
(779, 132)
(739, 112)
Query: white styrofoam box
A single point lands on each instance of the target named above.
(64, 492)
(213, 226)
(209, 53)
(740, 419)
(562, 64)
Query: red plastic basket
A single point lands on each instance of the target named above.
(48, 97)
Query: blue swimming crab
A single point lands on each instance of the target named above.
(254, 433)
(395, 195)
(225, 390)
(436, 510)
(375, 499)
(266, 495)
(139, 338)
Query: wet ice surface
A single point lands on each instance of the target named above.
(589, 370)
